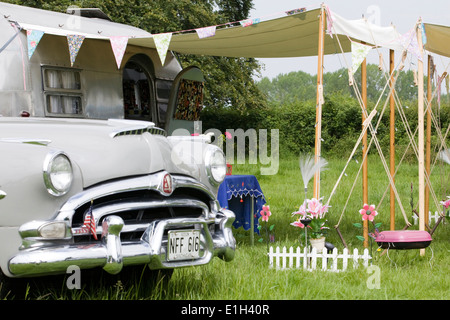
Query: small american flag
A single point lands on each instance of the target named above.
(89, 222)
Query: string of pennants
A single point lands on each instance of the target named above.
(162, 41)
(119, 43)
(74, 41)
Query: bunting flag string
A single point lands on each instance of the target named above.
(118, 45)
(162, 42)
(74, 41)
(33, 38)
(359, 53)
(206, 32)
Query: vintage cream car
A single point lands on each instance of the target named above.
(91, 172)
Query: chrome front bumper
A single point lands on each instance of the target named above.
(112, 254)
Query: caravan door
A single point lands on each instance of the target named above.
(186, 100)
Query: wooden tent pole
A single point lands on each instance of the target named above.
(319, 101)
(392, 136)
(428, 142)
(364, 144)
(421, 134)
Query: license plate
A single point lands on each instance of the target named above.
(183, 245)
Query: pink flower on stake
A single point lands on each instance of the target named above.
(228, 135)
(368, 212)
(265, 213)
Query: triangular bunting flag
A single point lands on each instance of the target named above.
(295, 11)
(75, 41)
(206, 32)
(409, 42)
(118, 45)
(33, 38)
(329, 21)
(162, 42)
(249, 22)
(359, 53)
(424, 34)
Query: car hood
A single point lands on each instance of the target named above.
(102, 149)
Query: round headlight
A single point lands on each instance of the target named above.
(57, 173)
(216, 166)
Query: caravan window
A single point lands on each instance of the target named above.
(62, 91)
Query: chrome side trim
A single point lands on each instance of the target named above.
(40, 142)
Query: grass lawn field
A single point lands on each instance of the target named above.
(403, 274)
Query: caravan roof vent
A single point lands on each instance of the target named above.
(88, 13)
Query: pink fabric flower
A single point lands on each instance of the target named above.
(368, 212)
(314, 207)
(265, 213)
(323, 210)
(301, 210)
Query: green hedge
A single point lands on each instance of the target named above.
(341, 123)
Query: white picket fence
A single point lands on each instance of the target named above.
(309, 260)
(431, 217)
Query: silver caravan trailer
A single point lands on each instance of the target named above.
(90, 175)
(47, 84)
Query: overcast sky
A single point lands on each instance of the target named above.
(402, 13)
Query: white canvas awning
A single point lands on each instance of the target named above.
(289, 36)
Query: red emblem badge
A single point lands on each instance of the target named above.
(167, 184)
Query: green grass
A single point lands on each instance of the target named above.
(403, 274)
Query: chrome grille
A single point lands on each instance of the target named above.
(138, 212)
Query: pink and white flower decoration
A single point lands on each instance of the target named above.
(298, 224)
(368, 212)
(265, 213)
(301, 210)
(313, 208)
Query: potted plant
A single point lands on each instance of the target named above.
(311, 219)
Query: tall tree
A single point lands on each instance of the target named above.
(229, 81)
